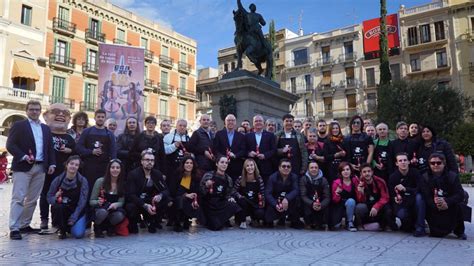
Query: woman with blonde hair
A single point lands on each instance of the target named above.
(250, 194)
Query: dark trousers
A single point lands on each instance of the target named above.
(249, 210)
(384, 216)
(412, 216)
(293, 212)
(442, 223)
(60, 214)
(312, 217)
(133, 213)
(43, 202)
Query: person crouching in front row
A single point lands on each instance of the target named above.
(282, 196)
(217, 201)
(372, 210)
(107, 198)
(314, 189)
(146, 194)
(250, 194)
(68, 198)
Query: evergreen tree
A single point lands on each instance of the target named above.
(273, 44)
(385, 75)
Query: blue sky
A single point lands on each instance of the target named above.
(210, 22)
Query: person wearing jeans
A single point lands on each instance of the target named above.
(343, 197)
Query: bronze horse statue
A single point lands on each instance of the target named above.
(249, 42)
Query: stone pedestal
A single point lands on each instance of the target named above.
(253, 94)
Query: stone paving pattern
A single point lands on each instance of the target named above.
(235, 246)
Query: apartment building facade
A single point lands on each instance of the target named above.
(74, 30)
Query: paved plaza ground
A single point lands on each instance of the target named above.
(235, 246)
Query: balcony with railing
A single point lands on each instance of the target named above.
(303, 62)
(203, 105)
(120, 41)
(165, 88)
(301, 89)
(430, 66)
(62, 62)
(149, 54)
(90, 69)
(70, 103)
(348, 58)
(187, 94)
(166, 61)
(325, 61)
(423, 8)
(148, 84)
(338, 113)
(19, 96)
(87, 106)
(184, 67)
(350, 82)
(94, 36)
(64, 27)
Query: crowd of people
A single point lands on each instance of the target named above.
(308, 174)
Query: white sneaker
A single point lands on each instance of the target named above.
(243, 225)
(398, 222)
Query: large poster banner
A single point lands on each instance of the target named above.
(121, 81)
(372, 33)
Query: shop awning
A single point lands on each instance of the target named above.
(24, 69)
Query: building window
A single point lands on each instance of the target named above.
(307, 82)
(92, 60)
(425, 33)
(61, 51)
(326, 54)
(95, 28)
(59, 86)
(348, 50)
(327, 104)
(121, 34)
(164, 78)
(371, 102)
(309, 107)
(350, 76)
(439, 30)
(441, 58)
(415, 62)
(293, 85)
(182, 111)
(144, 43)
(351, 101)
(412, 36)
(164, 50)
(472, 24)
(395, 71)
(182, 84)
(232, 65)
(63, 14)
(226, 68)
(24, 84)
(183, 57)
(26, 15)
(326, 82)
(300, 57)
(370, 76)
(90, 96)
(145, 72)
(163, 107)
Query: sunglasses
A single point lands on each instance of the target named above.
(286, 166)
(436, 163)
(356, 122)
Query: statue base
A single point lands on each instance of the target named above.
(253, 94)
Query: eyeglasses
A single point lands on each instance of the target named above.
(57, 111)
(356, 122)
(285, 166)
(436, 163)
(148, 160)
(34, 109)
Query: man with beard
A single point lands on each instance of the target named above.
(260, 146)
(307, 124)
(290, 145)
(146, 194)
(322, 138)
(97, 147)
(230, 143)
(57, 117)
(372, 197)
(200, 144)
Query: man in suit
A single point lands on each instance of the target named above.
(228, 142)
(200, 144)
(261, 146)
(30, 143)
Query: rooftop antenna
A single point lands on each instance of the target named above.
(300, 22)
(353, 15)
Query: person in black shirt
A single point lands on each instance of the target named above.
(404, 144)
(315, 195)
(359, 146)
(152, 141)
(125, 143)
(407, 201)
(334, 152)
(200, 144)
(443, 194)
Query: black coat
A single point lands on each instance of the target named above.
(198, 144)
(412, 182)
(125, 144)
(221, 144)
(267, 147)
(143, 142)
(136, 182)
(21, 140)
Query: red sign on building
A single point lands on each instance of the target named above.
(371, 30)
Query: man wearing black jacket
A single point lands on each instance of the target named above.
(443, 194)
(404, 144)
(261, 146)
(200, 144)
(146, 194)
(404, 189)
